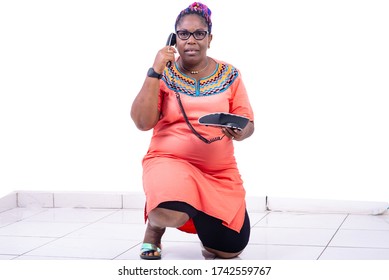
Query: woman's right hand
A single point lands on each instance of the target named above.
(163, 56)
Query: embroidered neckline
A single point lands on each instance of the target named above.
(219, 81)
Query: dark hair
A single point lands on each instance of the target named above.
(199, 9)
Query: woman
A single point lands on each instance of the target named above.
(193, 184)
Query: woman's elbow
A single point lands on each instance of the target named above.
(143, 124)
(143, 127)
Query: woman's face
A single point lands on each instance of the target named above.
(193, 51)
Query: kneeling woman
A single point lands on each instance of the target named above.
(190, 175)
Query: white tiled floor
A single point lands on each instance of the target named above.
(74, 233)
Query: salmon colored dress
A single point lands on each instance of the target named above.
(179, 166)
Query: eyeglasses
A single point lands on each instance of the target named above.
(198, 34)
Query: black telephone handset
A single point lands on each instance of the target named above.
(171, 41)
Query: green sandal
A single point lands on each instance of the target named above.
(148, 248)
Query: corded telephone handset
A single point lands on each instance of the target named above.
(171, 41)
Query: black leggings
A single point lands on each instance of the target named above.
(212, 233)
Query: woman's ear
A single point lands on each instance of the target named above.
(209, 40)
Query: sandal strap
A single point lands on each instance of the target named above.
(146, 247)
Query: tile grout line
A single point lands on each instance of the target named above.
(17, 199)
(353, 247)
(23, 219)
(137, 244)
(259, 219)
(337, 230)
(63, 236)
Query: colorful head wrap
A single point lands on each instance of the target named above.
(198, 9)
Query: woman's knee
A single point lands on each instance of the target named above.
(162, 217)
(223, 255)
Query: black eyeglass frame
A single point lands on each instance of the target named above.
(192, 34)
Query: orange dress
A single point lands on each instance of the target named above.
(179, 166)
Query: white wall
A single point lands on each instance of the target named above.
(317, 74)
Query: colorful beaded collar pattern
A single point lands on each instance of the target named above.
(216, 83)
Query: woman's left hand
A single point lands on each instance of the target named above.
(231, 133)
(239, 135)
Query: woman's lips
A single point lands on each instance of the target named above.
(191, 51)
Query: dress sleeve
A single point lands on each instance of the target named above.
(240, 103)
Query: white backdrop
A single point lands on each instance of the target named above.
(316, 71)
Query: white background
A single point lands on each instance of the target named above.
(87, 269)
(316, 71)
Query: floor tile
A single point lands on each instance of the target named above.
(255, 217)
(73, 215)
(84, 248)
(126, 216)
(19, 245)
(128, 232)
(84, 233)
(173, 251)
(186, 251)
(111, 231)
(369, 222)
(38, 229)
(17, 214)
(361, 238)
(7, 257)
(337, 253)
(291, 236)
(302, 220)
(280, 252)
(47, 258)
(89, 200)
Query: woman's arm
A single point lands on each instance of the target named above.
(144, 109)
